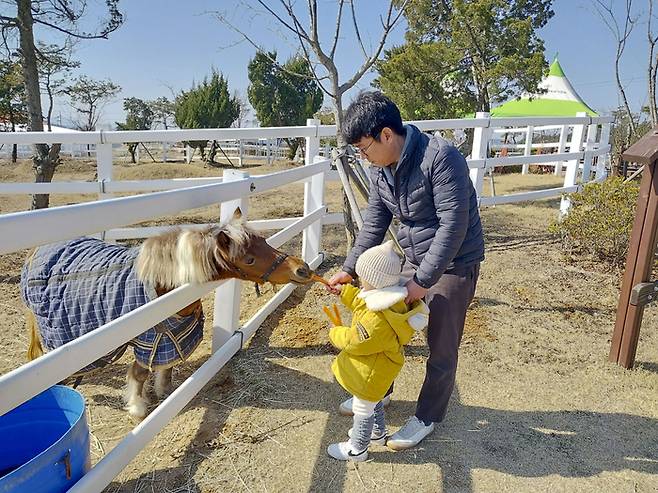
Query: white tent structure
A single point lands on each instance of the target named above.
(556, 98)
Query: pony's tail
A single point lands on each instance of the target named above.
(36, 349)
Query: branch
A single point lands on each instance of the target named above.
(102, 35)
(222, 18)
(280, 19)
(390, 24)
(356, 30)
(8, 21)
(338, 20)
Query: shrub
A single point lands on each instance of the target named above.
(599, 223)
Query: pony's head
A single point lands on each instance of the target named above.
(231, 250)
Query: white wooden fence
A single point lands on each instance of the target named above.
(26, 229)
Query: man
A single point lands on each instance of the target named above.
(424, 182)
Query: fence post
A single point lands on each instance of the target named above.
(480, 150)
(241, 150)
(590, 143)
(103, 168)
(602, 161)
(313, 196)
(165, 148)
(188, 154)
(227, 296)
(530, 133)
(640, 259)
(572, 165)
(562, 144)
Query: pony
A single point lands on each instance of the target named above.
(71, 288)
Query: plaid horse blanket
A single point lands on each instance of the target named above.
(76, 286)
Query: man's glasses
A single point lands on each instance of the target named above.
(364, 150)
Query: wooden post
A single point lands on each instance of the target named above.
(103, 169)
(640, 252)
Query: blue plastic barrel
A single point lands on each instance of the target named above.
(44, 443)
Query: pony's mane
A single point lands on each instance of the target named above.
(182, 256)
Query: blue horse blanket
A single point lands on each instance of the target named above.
(76, 286)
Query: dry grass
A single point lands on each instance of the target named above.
(537, 406)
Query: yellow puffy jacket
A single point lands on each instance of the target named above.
(372, 351)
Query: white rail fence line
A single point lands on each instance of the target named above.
(26, 229)
(479, 161)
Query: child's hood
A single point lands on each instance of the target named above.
(390, 302)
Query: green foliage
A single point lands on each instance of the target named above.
(279, 97)
(207, 105)
(462, 56)
(139, 116)
(598, 225)
(163, 111)
(88, 96)
(13, 109)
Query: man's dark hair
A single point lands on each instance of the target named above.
(368, 114)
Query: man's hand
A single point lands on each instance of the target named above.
(414, 292)
(337, 280)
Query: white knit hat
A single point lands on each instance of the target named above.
(379, 266)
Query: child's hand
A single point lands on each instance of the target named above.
(337, 280)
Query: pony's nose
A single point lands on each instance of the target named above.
(304, 271)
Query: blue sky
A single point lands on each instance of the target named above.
(164, 45)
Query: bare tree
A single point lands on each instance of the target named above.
(621, 31)
(88, 97)
(55, 65)
(65, 18)
(322, 57)
(652, 67)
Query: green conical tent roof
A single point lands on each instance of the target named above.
(559, 99)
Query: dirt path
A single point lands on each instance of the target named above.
(537, 406)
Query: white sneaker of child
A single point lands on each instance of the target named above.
(343, 451)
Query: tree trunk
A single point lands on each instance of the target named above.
(212, 151)
(132, 149)
(350, 228)
(14, 148)
(45, 157)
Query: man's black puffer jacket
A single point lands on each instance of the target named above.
(436, 204)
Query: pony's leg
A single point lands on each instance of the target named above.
(136, 401)
(35, 349)
(163, 385)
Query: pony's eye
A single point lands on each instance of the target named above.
(249, 260)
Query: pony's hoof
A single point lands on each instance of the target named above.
(138, 410)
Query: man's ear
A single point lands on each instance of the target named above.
(386, 134)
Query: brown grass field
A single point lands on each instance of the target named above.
(537, 405)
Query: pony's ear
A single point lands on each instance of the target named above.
(237, 214)
(223, 241)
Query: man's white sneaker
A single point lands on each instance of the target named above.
(374, 439)
(343, 451)
(345, 407)
(410, 435)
